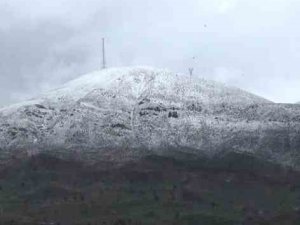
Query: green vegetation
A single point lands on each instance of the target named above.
(232, 189)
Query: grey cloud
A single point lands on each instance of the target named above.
(250, 44)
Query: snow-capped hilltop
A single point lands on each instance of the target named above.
(120, 113)
(135, 81)
(139, 79)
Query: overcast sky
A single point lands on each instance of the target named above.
(251, 44)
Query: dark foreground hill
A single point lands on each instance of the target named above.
(187, 190)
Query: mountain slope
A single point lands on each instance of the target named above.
(152, 191)
(124, 113)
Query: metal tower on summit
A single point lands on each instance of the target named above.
(191, 68)
(103, 54)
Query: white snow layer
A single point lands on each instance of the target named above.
(152, 109)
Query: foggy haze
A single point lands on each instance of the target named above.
(250, 44)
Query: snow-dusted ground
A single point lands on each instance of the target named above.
(121, 113)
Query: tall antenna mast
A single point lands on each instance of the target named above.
(103, 54)
(191, 70)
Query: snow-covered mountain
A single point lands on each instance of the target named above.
(123, 113)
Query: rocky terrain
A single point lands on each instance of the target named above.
(120, 114)
(143, 146)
